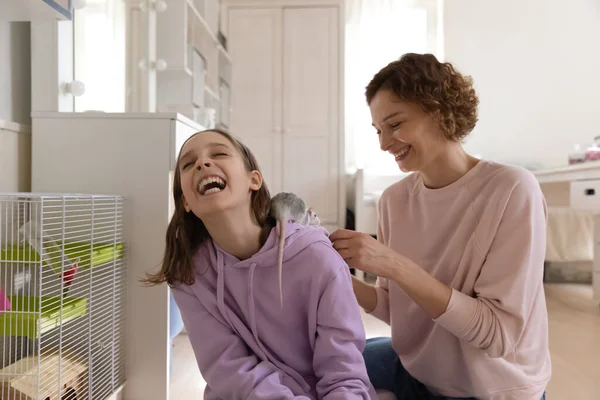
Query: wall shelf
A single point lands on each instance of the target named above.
(197, 63)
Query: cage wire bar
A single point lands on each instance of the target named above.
(62, 296)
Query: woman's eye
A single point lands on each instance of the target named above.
(396, 125)
(220, 154)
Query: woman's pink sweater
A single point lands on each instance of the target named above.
(485, 237)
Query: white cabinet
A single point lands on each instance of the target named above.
(132, 155)
(287, 96)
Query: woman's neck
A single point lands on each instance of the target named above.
(449, 167)
(238, 235)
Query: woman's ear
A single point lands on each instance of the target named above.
(256, 180)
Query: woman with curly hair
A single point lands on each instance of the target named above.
(459, 254)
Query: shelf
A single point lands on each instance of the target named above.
(207, 29)
(202, 21)
(212, 93)
(190, 26)
(224, 53)
(14, 127)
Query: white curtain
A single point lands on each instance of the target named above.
(378, 32)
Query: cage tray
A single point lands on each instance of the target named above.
(26, 319)
(102, 253)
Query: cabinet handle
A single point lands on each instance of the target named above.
(75, 88)
(590, 192)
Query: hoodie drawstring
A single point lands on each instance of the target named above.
(251, 306)
(221, 289)
(252, 316)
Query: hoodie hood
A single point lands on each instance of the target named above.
(297, 238)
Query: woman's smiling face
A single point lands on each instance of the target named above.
(411, 135)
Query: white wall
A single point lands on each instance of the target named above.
(536, 66)
(15, 72)
(15, 106)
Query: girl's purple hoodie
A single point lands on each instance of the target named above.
(248, 347)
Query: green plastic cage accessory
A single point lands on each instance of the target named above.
(88, 254)
(31, 317)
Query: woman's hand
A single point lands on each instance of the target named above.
(363, 252)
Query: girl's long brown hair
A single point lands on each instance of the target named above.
(186, 232)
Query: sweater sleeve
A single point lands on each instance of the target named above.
(338, 362)
(231, 371)
(510, 279)
(382, 309)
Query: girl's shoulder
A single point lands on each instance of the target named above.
(318, 259)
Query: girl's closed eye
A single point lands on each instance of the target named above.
(395, 125)
(187, 164)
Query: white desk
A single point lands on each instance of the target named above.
(578, 187)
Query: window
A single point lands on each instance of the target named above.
(378, 32)
(99, 53)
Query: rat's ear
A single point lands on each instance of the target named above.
(256, 180)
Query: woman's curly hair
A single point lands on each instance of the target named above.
(440, 90)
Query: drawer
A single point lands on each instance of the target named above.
(585, 195)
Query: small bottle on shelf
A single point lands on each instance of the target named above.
(577, 156)
(592, 153)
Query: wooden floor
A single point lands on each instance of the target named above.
(574, 320)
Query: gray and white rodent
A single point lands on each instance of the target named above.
(289, 207)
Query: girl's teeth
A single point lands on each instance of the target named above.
(211, 191)
(208, 180)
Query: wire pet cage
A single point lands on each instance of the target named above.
(62, 288)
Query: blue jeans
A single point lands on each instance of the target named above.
(386, 372)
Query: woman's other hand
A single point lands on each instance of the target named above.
(363, 252)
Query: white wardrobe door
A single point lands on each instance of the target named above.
(255, 48)
(311, 107)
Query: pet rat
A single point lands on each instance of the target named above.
(289, 207)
